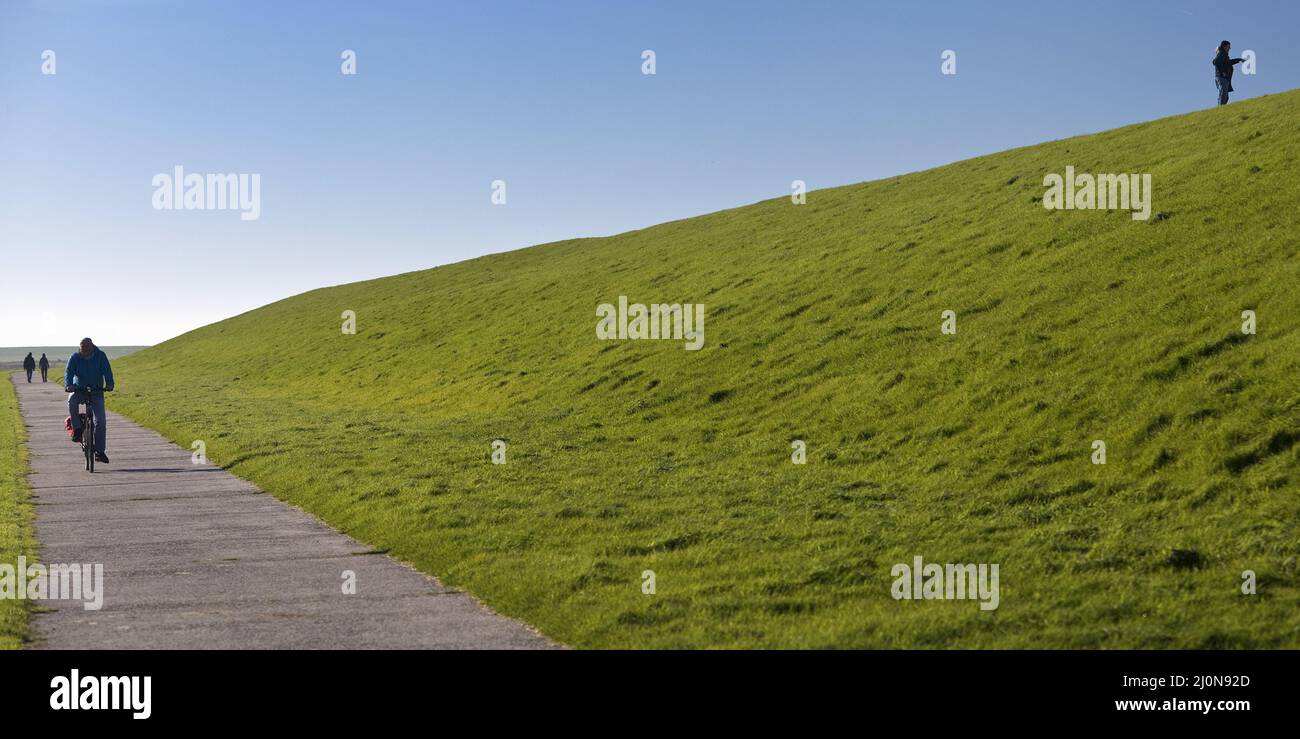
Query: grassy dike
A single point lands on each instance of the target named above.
(822, 325)
(16, 534)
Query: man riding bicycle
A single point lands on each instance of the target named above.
(89, 369)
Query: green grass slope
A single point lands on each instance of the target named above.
(16, 537)
(823, 324)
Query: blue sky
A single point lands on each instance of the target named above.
(390, 170)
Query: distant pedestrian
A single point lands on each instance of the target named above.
(45, 368)
(29, 364)
(1223, 70)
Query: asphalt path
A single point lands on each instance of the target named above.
(196, 558)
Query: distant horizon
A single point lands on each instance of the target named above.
(63, 352)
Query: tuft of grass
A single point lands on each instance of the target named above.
(822, 324)
(16, 531)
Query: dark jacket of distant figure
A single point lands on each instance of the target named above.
(45, 363)
(1223, 66)
(29, 364)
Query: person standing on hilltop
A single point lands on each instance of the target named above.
(45, 368)
(1223, 70)
(29, 364)
(89, 369)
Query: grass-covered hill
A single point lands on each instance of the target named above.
(16, 536)
(822, 324)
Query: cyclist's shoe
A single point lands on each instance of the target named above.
(76, 436)
(101, 457)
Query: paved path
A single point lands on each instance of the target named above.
(195, 558)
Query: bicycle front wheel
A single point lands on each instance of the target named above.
(88, 441)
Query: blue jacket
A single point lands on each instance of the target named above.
(93, 372)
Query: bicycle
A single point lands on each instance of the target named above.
(87, 425)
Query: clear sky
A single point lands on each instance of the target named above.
(390, 170)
